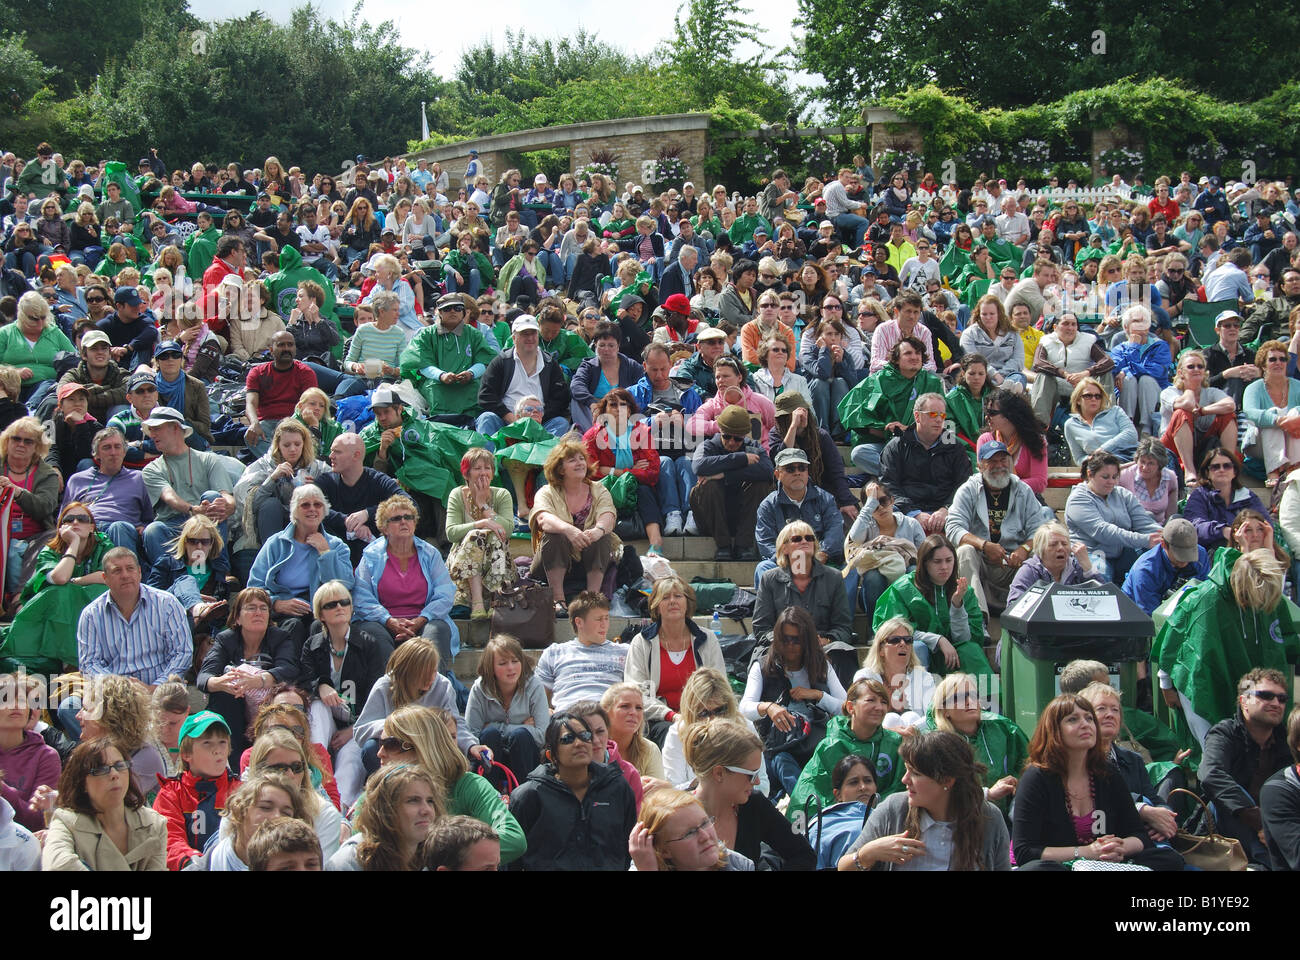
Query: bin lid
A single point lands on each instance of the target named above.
(1090, 609)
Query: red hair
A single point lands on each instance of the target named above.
(1047, 749)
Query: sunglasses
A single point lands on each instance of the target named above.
(332, 604)
(932, 414)
(902, 638)
(831, 306)
(402, 518)
(796, 468)
(570, 736)
(1090, 396)
(749, 774)
(733, 438)
(1269, 696)
(1223, 466)
(715, 712)
(395, 744)
(1229, 323)
(78, 518)
(105, 769)
(1194, 366)
(802, 537)
(297, 767)
(96, 300)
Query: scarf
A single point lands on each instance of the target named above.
(171, 394)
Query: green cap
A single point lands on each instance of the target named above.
(196, 723)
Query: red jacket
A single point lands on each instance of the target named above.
(329, 785)
(600, 451)
(212, 278)
(190, 822)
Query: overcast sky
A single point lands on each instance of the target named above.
(445, 43)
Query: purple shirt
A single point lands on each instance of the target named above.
(403, 594)
(119, 497)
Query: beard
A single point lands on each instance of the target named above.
(997, 479)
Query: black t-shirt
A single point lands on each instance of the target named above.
(263, 219)
(997, 501)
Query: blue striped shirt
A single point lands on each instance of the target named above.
(152, 645)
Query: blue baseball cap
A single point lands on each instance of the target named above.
(991, 449)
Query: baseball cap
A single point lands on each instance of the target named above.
(451, 300)
(1180, 540)
(1225, 315)
(525, 322)
(991, 449)
(385, 397)
(168, 346)
(128, 295)
(760, 231)
(139, 380)
(790, 455)
(68, 389)
(710, 333)
(93, 337)
(161, 416)
(196, 723)
(825, 225)
(473, 153)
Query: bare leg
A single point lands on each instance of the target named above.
(595, 580)
(1228, 439)
(475, 593)
(654, 535)
(1185, 446)
(555, 577)
(518, 474)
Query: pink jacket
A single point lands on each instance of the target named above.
(630, 773)
(1031, 469)
(704, 421)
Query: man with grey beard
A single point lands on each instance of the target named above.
(992, 522)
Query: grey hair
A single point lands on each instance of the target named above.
(1153, 448)
(384, 300)
(103, 435)
(306, 491)
(1135, 312)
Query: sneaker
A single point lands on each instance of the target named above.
(673, 523)
(689, 528)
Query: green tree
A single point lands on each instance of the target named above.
(702, 54)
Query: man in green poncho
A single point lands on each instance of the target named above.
(1002, 251)
(201, 246)
(1222, 628)
(880, 407)
(446, 361)
(42, 176)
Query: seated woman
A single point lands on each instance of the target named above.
(29, 494)
(1272, 405)
(1095, 423)
(194, 572)
(775, 374)
(278, 751)
(313, 410)
(943, 788)
(572, 522)
(625, 705)
(402, 803)
(1107, 519)
(576, 813)
(267, 485)
(1000, 746)
(1142, 365)
(119, 708)
(67, 576)
(892, 660)
(1150, 478)
(402, 584)
(598, 375)
(1279, 805)
(425, 736)
(294, 562)
(286, 707)
(793, 669)
(102, 821)
(729, 375)
(992, 336)
(479, 524)
(942, 607)
(966, 401)
(30, 343)
(507, 710)
(664, 654)
(619, 442)
(729, 758)
(341, 662)
(411, 676)
(1056, 559)
(856, 732)
(1193, 413)
(707, 694)
(1062, 360)
(1160, 821)
(1011, 419)
(262, 796)
(1218, 497)
(673, 832)
(251, 655)
(1072, 805)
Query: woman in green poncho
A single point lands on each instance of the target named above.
(966, 401)
(68, 575)
(998, 743)
(935, 600)
(313, 410)
(859, 731)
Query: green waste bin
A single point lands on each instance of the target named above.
(1051, 625)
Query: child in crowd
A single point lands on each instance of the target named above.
(192, 803)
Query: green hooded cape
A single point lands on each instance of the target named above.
(999, 744)
(967, 414)
(449, 353)
(903, 598)
(839, 742)
(46, 626)
(426, 458)
(885, 397)
(283, 286)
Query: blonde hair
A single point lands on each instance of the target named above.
(10, 381)
(658, 806)
(278, 739)
(1256, 580)
(704, 686)
(410, 665)
(718, 743)
(198, 525)
(783, 538)
(434, 745)
(327, 591)
(396, 502)
(665, 587)
(243, 798)
(873, 661)
(567, 447)
(945, 695)
(1180, 369)
(638, 752)
(122, 707)
(315, 393)
(289, 425)
(1076, 395)
(502, 645)
(1045, 532)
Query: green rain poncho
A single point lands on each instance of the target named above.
(903, 598)
(999, 744)
(967, 414)
(433, 352)
(1210, 642)
(201, 250)
(46, 626)
(283, 287)
(839, 742)
(426, 457)
(885, 397)
(524, 441)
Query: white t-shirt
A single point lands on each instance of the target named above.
(522, 385)
(573, 671)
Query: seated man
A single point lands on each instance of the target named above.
(183, 482)
(796, 498)
(446, 360)
(355, 492)
(132, 330)
(733, 475)
(273, 389)
(992, 522)
(589, 664)
(104, 380)
(181, 391)
(923, 467)
(1242, 752)
(122, 504)
(1166, 566)
(710, 344)
(522, 371)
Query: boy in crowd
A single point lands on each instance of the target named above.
(283, 844)
(192, 802)
(589, 664)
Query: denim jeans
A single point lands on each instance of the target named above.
(865, 589)
(335, 383)
(161, 533)
(474, 282)
(123, 534)
(866, 457)
(513, 745)
(851, 221)
(826, 397)
(676, 477)
(783, 770)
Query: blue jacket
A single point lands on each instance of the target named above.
(335, 565)
(1209, 514)
(846, 369)
(1150, 359)
(1213, 204)
(437, 605)
(818, 510)
(1153, 575)
(643, 394)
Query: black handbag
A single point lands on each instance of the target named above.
(525, 611)
(801, 739)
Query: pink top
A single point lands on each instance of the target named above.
(887, 334)
(403, 594)
(1031, 469)
(1165, 504)
(704, 421)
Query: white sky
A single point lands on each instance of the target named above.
(607, 20)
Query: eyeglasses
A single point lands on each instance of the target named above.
(18, 438)
(395, 744)
(906, 638)
(801, 537)
(777, 350)
(932, 414)
(569, 736)
(733, 438)
(1268, 696)
(105, 769)
(1222, 466)
(695, 831)
(332, 604)
(297, 767)
(750, 774)
(834, 307)
(254, 608)
(1090, 396)
(402, 518)
(96, 300)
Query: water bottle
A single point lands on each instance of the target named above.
(717, 627)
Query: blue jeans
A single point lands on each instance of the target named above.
(865, 589)
(474, 282)
(676, 477)
(489, 424)
(123, 534)
(186, 589)
(161, 533)
(338, 385)
(90, 256)
(761, 568)
(69, 707)
(852, 222)
(554, 267)
(866, 457)
(783, 770)
(14, 563)
(826, 397)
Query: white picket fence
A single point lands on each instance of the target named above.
(1087, 195)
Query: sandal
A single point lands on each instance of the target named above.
(561, 611)
(481, 614)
